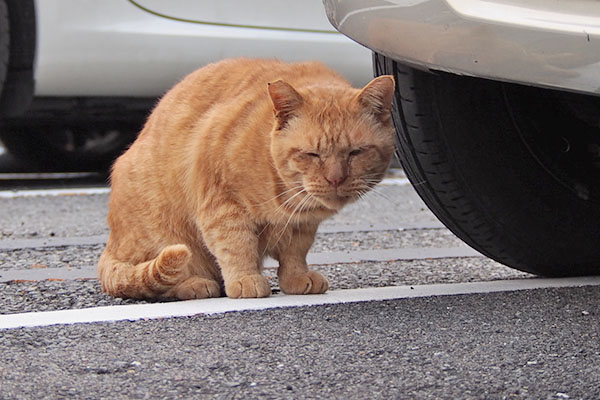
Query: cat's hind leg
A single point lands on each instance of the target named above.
(146, 280)
(195, 287)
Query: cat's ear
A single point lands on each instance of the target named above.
(376, 97)
(286, 101)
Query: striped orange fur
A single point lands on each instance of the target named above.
(240, 160)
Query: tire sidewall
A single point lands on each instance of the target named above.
(4, 42)
(458, 144)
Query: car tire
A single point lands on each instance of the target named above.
(85, 146)
(4, 42)
(513, 171)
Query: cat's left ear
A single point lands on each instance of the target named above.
(376, 97)
(286, 101)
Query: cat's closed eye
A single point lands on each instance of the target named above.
(356, 152)
(314, 155)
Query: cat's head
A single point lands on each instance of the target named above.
(334, 142)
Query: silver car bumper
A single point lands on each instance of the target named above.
(538, 42)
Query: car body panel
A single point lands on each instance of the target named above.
(543, 43)
(266, 14)
(114, 48)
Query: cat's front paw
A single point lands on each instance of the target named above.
(248, 286)
(310, 282)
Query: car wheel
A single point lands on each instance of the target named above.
(71, 147)
(514, 171)
(4, 42)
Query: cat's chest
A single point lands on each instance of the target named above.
(296, 218)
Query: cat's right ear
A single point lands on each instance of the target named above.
(286, 101)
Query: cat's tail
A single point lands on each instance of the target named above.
(149, 279)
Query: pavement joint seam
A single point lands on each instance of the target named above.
(325, 258)
(18, 244)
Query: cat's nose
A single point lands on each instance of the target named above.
(335, 173)
(335, 181)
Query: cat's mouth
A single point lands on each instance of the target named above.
(333, 201)
(332, 198)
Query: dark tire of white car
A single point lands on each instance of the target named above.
(4, 42)
(67, 146)
(56, 134)
(514, 171)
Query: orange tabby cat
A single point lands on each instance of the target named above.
(240, 160)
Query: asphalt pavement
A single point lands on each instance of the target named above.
(524, 339)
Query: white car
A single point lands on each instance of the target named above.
(497, 117)
(78, 77)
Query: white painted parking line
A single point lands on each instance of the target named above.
(42, 274)
(11, 194)
(222, 305)
(16, 244)
(30, 176)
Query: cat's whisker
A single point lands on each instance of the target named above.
(361, 184)
(286, 183)
(372, 179)
(279, 210)
(375, 174)
(380, 194)
(368, 181)
(365, 187)
(301, 203)
(306, 201)
(280, 194)
(372, 183)
(308, 204)
(263, 230)
(298, 211)
(359, 193)
(285, 203)
(264, 252)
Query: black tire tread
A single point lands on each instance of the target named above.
(4, 42)
(429, 167)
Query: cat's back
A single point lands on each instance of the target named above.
(239, 77)
(234, 72)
